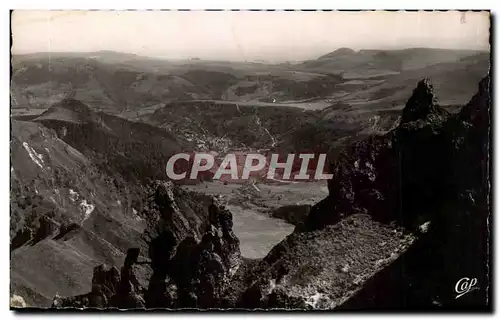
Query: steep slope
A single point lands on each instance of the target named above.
(79, 187)
(66, 215)
(136, 151)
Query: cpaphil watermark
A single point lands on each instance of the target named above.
(240, 166)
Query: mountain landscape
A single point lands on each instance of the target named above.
(95, 221)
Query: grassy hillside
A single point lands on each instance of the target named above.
(67, 215)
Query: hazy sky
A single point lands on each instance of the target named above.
(244, 35)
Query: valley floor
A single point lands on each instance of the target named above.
(253, 206)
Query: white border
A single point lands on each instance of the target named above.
(254, 4)
(184, 4)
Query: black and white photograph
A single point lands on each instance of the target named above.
(272, 160)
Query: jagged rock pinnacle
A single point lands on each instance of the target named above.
(477, 110)
(421, 103)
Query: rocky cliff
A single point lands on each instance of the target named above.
(427, 180)
(192, 253)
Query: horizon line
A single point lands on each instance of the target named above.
(198, 58)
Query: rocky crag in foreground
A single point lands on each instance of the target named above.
(405, 219)
(191, 261)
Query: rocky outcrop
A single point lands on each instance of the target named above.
(193, 255)
(202, 270)
(321, 269)
(422, 104)
(104, 284)
(427, 181)
(173, 210)
(295, 214)
(17, 301)
(129, 292)
(394, 177)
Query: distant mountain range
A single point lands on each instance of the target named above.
(114, 82)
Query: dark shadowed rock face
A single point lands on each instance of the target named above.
(203, 271)
(200, 269)
(456, 243)
(170, 209)
(430, 177)
(421, 104)
(394, 177)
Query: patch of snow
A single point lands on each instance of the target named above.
(314, 299)
(17, 301)
(64, 131)
(56, 301)
(345, 268)
(471, 197)
(272, 285)
(118, 202)
(136, 216)
(46, 149)
(358, 280)
(36, 157)
(88, 208)
(73, 195)
(371, 173)
(424, 227)
(232, 270)
(356, 164)
(255, 187)
(113, 249)
(375, 120)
